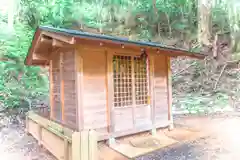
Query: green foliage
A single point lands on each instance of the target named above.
(19, 83)
(207, 103)
(56, 13)
(158, 20)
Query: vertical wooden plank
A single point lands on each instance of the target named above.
(39, 134)
(148, 63)
(62, 87)
(107, 94)
(51, 89)
(169, 88)
(152, 93)
(93, 146)
(110, 97)
(78, 91)
(133, 93)
(76, 146)
(66, 151)
(84, 145)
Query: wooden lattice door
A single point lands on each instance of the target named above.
(130, 79)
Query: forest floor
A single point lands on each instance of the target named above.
(15, 144)
(221, 143)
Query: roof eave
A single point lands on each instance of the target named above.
(170, 51)
(93, 36)
(28, 60)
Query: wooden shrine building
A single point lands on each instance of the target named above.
(113, 85)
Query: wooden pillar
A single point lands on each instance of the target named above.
(62, 87)
(169, 88)
(76, 144)
(66, 151)
(39, 133)
(152, 94)
(133, 93)
(78, 89)
(110, 96)
(107, 93)
(51, 89)
(84, 145)
(93, 145)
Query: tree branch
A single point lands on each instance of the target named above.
(220, 75)
(176, 74)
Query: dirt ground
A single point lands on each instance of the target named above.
(15, 144)
(221, 143)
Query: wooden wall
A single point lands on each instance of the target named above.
(68, 71)
(62, 88)
(55, 93)
(160, 90)
(94, 89)
(86, 96)
(94, 95)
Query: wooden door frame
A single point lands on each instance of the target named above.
(109, 90)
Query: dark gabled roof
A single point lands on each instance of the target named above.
(69, 36)
(76, 33)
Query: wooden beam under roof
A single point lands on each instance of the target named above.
(52, 41)
(57, 43)
(45, 39)
(60, 37)
(39, 56)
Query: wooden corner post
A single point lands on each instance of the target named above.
(152, 94)
(62, 87)
(51, 89)
(78, 89)
(169, 88)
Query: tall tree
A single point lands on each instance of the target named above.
(204, 22)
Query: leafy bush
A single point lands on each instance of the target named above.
(19, 83)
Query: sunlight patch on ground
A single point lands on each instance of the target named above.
(230, 132)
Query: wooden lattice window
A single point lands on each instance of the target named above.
(130, 81)
(122, 78)
(141, 81)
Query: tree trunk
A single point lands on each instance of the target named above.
(204, 22)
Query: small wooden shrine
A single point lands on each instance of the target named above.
(113, 85)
